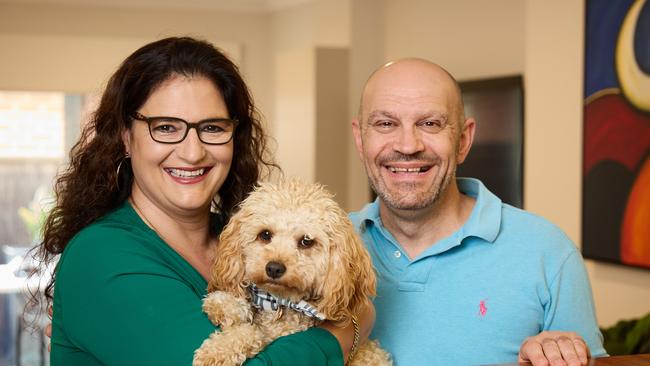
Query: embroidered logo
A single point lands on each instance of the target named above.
(482, 308)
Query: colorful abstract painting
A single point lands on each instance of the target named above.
(616, 164)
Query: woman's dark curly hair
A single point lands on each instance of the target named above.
(90, 187)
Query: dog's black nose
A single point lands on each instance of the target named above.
(275, 269)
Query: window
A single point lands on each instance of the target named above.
(37, 130)
(32, 125)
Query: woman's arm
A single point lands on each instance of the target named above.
(126, 306)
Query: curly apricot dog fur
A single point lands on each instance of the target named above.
(293, 241)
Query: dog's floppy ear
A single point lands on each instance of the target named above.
(350, 281)
(228, 268)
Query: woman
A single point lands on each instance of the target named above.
(173, 147)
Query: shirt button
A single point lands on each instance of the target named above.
(398, 254)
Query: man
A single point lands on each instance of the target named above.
(463, 279)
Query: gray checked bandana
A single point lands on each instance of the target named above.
(265, 301)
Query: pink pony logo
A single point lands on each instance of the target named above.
(482, 308)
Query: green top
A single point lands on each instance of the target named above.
(124, 297)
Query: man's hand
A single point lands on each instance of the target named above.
(555, 349)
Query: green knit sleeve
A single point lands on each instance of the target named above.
(121, 303)
(314, 347)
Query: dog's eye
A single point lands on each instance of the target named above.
(265, 236)
(306, 241)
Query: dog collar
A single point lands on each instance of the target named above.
(265, 301)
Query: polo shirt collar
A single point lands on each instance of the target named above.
(484, 221)
(370, 215)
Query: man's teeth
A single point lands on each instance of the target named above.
(406, 170)
(186, 173)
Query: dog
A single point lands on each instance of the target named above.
(288, 259)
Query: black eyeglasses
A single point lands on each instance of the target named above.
(172, 130)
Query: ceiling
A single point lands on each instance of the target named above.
(257, 6)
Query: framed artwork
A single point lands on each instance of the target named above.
(496, 157)
(616, 126)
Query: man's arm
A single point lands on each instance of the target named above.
(570, 329)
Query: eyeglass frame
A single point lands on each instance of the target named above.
(148, 120)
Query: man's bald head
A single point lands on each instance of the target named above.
(409, 73)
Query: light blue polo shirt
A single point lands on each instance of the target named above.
(473, 297)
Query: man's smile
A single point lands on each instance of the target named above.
(421, 169)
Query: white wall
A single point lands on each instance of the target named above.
(367, 51)
(76, 48)
(295, 117)
(471, 38)
(68, 62)
(297, 34)
(332, 98)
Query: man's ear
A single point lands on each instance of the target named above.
(356, 132)
(466, 139)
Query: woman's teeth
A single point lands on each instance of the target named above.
(186, 173)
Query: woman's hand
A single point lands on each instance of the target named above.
(345, 335)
